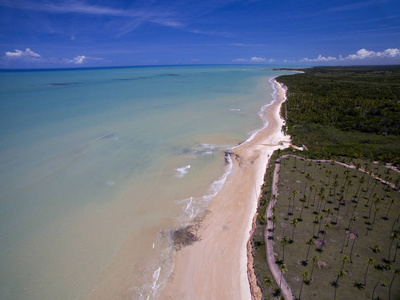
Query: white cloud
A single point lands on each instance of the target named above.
(320, 58)
(19, 54)
(253, 59)
(258, 59)
(239, 60)
(362, 54)
(391, 52)
(80, 59)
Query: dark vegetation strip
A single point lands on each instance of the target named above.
(345, 111)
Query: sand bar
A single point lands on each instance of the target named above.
(215, 267)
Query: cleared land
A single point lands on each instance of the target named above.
(347, 213)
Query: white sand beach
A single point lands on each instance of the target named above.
(215, 267)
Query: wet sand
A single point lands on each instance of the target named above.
(215, 267)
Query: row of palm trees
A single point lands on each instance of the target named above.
(318, 199)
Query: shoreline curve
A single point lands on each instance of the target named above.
(216, 266)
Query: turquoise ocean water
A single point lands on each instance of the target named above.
(98, 165)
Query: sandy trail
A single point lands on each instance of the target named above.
(280, 280)
(215, 267)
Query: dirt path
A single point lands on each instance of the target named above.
(285, 289)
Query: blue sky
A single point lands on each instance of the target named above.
(63, 33)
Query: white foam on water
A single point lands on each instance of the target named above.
(234, 109)
(182, 171)
(192, 206)
(262, 110)
(208, 149)
(156, 275)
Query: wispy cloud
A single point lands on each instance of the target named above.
(139, 16)
(320, 58)
(354, 6)
(28, 55)
(80, 59)
(360, 55)
(254, 59)
(210, 32)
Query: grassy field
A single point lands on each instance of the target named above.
(349, 114)
(346, 212)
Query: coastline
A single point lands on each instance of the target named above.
(216, 266)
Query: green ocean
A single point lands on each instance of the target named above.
(97, 166)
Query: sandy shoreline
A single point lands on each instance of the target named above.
(215, 267)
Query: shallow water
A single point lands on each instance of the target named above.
(97, 165)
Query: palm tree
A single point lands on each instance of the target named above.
(294, 198)
(268, 282)
(353, 218)
(374, 184)
(310, 242)
(353, 236)
(284, 242)
(345, 177)
(305, 166)
(344, 240)
(306, 277)
(395, 235)
(387, 213)
(345, 260)
(396, 272)
(314, 259)
(361, 181)
(319, 205)
(282, 268)
(335, 284)
(315, 194)
(395, 252)
(320, 222)
(373, 292)
(308, 177)
(312, 187)
(335, 185)
(302, 200)
(369, 262)
(376, 248)
(328, 175)
(273, 219)
(326, 227)
(294, 225)
(338, 209)
(316, 221)
(349, 184)
(358, 166)
(373, 220)
(288, 209)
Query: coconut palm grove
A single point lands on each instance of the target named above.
(335, 224)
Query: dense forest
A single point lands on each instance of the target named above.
(345, 111)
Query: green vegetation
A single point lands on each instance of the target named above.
(349, 222)
(345, 111)
(264, 276)
(336, 229)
